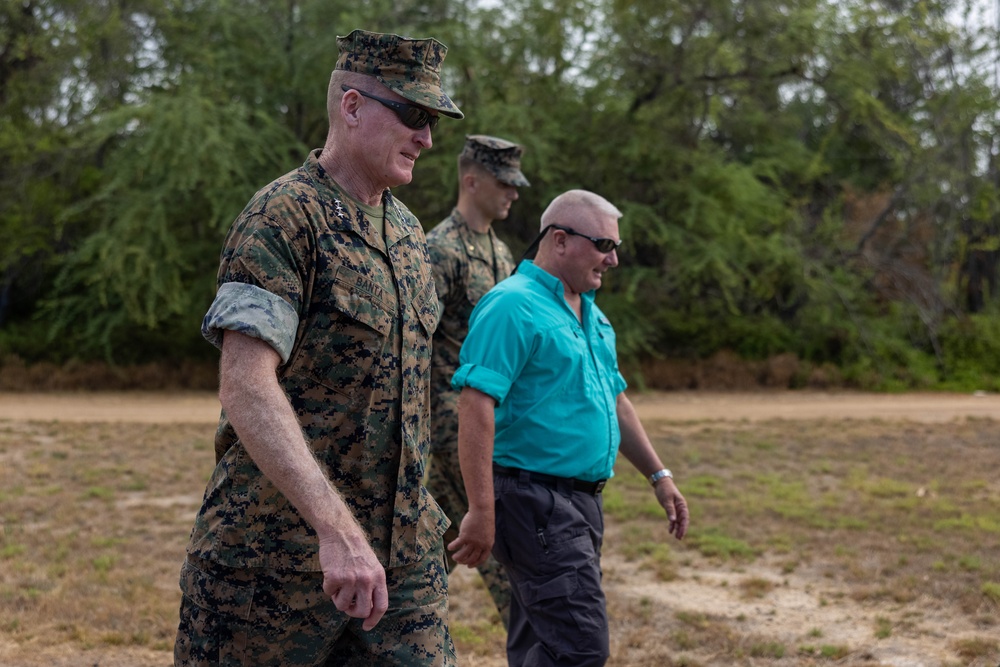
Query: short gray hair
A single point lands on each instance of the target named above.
(340, 78)
(570, 204)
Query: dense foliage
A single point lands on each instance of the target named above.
(814, 177)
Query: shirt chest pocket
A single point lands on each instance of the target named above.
(587, 361)
(349, 333)
(428, 308)
(564, 360)
(605, 346)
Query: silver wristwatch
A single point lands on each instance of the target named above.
(660, 474)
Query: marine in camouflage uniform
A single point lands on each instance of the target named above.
(342, 290)
(469, 259)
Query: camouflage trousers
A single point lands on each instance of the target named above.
(444, 481)
(257, 617)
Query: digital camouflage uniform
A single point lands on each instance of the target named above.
(351, 314)
(465, 268)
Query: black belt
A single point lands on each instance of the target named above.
(591, 488)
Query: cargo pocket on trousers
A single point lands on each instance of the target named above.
(540, 589)
(215, 595)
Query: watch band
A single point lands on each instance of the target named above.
(660, 474)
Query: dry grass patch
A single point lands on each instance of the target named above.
(812, 543)
(879, 518)
(89, 551)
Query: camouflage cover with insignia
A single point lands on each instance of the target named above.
(411, 67)
(499, 157)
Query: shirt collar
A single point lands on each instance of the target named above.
(470, 238)
(549, 281)
(345, 208)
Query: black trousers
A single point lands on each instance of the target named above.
(548, 537)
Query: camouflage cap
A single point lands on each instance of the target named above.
(500, 157)
(410, 67)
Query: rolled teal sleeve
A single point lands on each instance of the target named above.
(252, 311)
(489, 382)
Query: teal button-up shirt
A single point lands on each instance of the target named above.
(555, 379)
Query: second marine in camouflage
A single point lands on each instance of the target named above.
(468, 260)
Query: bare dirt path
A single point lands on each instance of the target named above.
(203, 407)
(712, 406)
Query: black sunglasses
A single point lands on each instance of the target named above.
(412, 116)
(603, 245)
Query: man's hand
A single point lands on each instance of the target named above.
(673, 502)
(353, 578)
(475, 539)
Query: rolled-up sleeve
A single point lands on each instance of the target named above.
(496, 348)
(252, 311)
(479, 377)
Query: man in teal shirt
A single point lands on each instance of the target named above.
(542, 416)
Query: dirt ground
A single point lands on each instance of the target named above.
(698, 586)
(203, 407)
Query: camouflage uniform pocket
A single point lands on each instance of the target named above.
(428, 308)
(344, 338)
(213, 594)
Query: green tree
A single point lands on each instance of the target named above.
(806, 176)
(231, 95)
(34, 183)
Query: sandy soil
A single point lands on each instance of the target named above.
(203, 407)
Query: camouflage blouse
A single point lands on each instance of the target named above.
(352, 315)
(464, 270)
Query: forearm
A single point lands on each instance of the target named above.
(269, 430)
(475, 456)
(475, 447)
(635, 444)
(637, 448)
